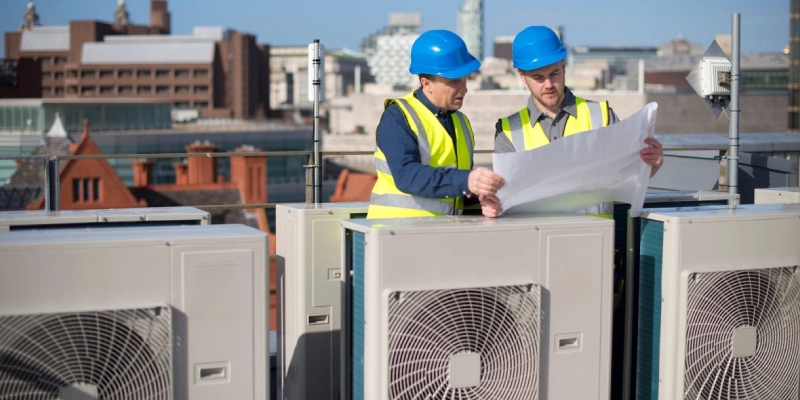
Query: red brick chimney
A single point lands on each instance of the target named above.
(250, 174)
(202, 170)
(181, 175)
(159, 17)
(142, 172)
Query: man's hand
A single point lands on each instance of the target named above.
(652, 155)
(482, 181)
(490, 206)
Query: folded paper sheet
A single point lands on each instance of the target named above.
(579, 171)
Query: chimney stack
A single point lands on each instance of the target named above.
(142, 172)
(202, 170)
(159, 17)
(249, 173)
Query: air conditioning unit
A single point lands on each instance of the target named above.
(626, 278)
(474, 308)
(719, 303)
(777, 195)
(309, 250)
(212, 276)
(122, 217)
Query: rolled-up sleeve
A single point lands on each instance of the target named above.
(400, 146)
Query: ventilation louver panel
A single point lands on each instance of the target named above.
(470, 344)
(743, 335)
(116, 354)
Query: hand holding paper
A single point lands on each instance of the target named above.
(580, 170)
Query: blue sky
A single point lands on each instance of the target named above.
(343, 23)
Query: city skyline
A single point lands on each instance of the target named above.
(343, 24)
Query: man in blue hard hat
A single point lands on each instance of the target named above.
(424, 144)
(553, 111)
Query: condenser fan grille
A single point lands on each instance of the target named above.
(743, 335)
(117, 354)
(469, 344)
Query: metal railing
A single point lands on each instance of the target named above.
(52, 167)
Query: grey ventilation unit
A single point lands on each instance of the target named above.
(213, 277)
(626, 278)
(473, 308)
(309, 249)
(110, 354)
(102, 218)
(777, 195)
(719, 312)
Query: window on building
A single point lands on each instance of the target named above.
(162, 89)
(89, 73)
(86, 190)
(106, 73)
(72, 89)
(72, 73)
(61, 60)
(181, 73)
(200, 73)
(95, 189)
(201, 89)
(46, 76)
(182, 89)
(162, 73)
(125, 73)
(143, 73)
(181, 104)
(58, 75)
(76, 190)
(146, 89)
(59, 90)
(87, 89)
(45, 60)
(126, 89)
(106, 89)
(46, 90)
(201, 105)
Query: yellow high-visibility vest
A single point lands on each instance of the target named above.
(526, 136)
(436, 149)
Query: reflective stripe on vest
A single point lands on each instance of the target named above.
(436, 149)
(527, 136)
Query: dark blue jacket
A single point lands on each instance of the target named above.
(400, 146)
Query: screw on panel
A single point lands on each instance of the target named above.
(141, 218)
(105, 219)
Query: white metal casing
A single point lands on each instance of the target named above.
(712, 239)
(309, 250)
(213, 276)
(777, 195)
(568, 256)
(710, 67)
(39, 219)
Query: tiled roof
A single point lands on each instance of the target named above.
(31, 172)
(171, 197)
(353, 186)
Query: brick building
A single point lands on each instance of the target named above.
(219, 72)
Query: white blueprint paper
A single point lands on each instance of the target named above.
(579, 171)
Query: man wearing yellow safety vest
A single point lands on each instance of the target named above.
(424, 144)
(552, 111)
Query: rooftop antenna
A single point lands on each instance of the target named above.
(716, 80)
(316, 93)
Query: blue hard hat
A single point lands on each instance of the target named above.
(442, 53)
(536, 47)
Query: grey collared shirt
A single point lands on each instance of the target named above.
(552, 127)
